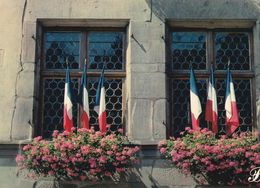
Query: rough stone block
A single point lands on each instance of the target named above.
(152, 51)
(147, 31)
(148, 85)
(148, 68)
(6, 104)
(160, 172)
(29, 40)
(92, 9)
(28, 66)
(139, 67)
(147, 45)
(25, 84)
(159, 118)
(21, 129)
(141, 119)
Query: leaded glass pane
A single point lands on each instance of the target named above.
(53, 104)
(188, 49)
(54, 98)
(181, 109)
(181, 104)
(106, 47)
(233, 46)
(243, 98)
(113, 103)
(59, 46)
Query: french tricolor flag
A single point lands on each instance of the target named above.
(67, 113)
(212, 105)
(84, 102)
(100, 104)
(232, 119)
(194, 102)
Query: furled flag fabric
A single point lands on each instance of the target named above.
(232, 119)
(67, 114)
(100, 104)
(212, 105)
(83, 100)
(194, 102)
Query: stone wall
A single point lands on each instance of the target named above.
(145, 81)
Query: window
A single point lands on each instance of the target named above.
(98, 47)
(199, 49)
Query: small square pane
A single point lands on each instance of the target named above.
(233, 47)
(188, 50)
(105, 49)
(59, 46)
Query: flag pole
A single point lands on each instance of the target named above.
(209, 123)
(68, 103)
(67, 61)
(188, 110)
(188, 104)
(80, 99)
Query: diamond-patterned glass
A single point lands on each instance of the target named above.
(59, 46)
(53, 104)
(105, 47)
(233, 46)
(188, 49)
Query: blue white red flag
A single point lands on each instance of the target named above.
(194, 102)
(67, 112)
(212, 105)
(100, 104)
(84, 101)
(232, 119)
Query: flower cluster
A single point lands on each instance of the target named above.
(81, 155)
(223, 161)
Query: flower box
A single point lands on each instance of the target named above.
(84, 155)
(222, 161)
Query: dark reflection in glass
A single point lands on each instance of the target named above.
(105, 47)
(233, 46)
(61, 45)
(242, 88)
(181, 109)
(188, 48)
(113, 103)
(53, 105)
(181, 104)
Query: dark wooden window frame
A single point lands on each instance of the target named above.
(41, 73)
(204, 74)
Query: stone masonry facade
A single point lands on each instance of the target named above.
(146, 23)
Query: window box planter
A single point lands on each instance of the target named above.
(84, 155)
(224, 161)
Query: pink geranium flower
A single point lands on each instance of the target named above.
(78, 155)
(221, 161)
